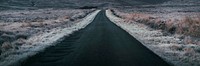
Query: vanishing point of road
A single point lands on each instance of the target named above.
(101, 43)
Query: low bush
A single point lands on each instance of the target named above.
(188, 40)
(6, 46)
(176, 47)
(189, 26)
(188, 51)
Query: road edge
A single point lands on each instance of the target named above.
(115, 20)
(47, 39)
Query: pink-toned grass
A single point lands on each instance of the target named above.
(189, 26)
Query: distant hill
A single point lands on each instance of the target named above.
(182, 2)
(153, 1)
(31, 4)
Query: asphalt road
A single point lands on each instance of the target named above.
(101, 43)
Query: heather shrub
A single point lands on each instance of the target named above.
(176, 47)
(189, 26)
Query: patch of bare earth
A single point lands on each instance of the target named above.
(173, 35)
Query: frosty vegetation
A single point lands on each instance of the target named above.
(151, 28)
(24, 33)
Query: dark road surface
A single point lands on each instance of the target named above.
(101, 43)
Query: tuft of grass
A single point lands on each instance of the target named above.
(176, 47)
(170, 27)
(6, 46)
(189, 26)
(65, 17)
(188, 40)
(20, 41)
(188, 51)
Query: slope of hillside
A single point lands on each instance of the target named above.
(153, 1)
(31, 4)
(182, 2)
(34, 4)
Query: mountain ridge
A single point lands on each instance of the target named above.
(31, 4)
(70, 3)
